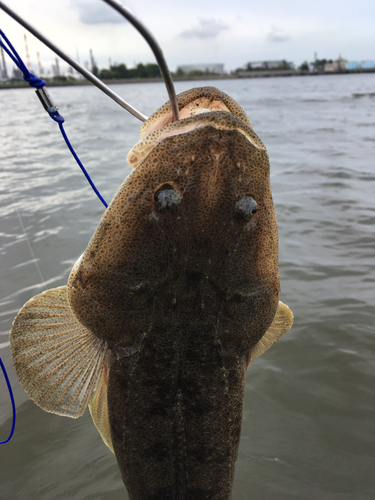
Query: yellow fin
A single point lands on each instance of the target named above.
(57, 360)
(98, 407)
(282, 322)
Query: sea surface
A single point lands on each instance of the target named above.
(309, 421)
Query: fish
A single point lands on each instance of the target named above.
(175, 295)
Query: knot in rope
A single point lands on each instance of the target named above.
(33, 80)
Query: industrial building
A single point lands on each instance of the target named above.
(210, 68)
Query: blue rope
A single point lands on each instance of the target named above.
(13, 403)
(38, 83)
(80, 164)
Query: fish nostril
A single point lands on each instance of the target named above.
(167, 198)
(246, 208)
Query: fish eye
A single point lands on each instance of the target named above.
(167, 198)
(246, 208)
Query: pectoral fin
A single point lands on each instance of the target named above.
(281, 323)
(57, 360)
(98, 407)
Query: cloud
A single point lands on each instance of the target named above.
(277, 35)
(207, 28)
(97, 13)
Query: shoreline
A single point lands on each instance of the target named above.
(240, 75)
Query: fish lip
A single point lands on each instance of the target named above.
(194, 105)
(221, 120)
(232, 120)
(207, 97)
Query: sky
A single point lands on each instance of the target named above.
(229, 32)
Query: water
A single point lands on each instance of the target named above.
(308, 429)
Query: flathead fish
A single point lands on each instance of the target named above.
(175, 295)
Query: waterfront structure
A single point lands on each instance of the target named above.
(352, 65)
(3, 70)
(358, 65)
(271, 65)
(331, 67)
(205, 68)
(367, 64)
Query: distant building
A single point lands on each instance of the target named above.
(210, 68)
(338, 65)
(269, 64)
(331, 67)
(358, 65)
(3, 70)
(17, 74)
(69, 73)
(2, 74)
(367, 64)
(352, 65)
(341, 62)
(56, 68)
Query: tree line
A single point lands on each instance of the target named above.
(120, 71)
(318, 65)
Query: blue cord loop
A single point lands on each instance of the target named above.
(13, 403)
(33, 80)
(47, 103)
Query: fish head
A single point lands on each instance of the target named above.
(192, 231)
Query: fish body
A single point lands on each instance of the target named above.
(175, 295)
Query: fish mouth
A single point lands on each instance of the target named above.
(201, 107)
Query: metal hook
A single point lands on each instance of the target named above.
(158, 53)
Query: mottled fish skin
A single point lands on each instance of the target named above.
(181, 296)
(175, 295)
